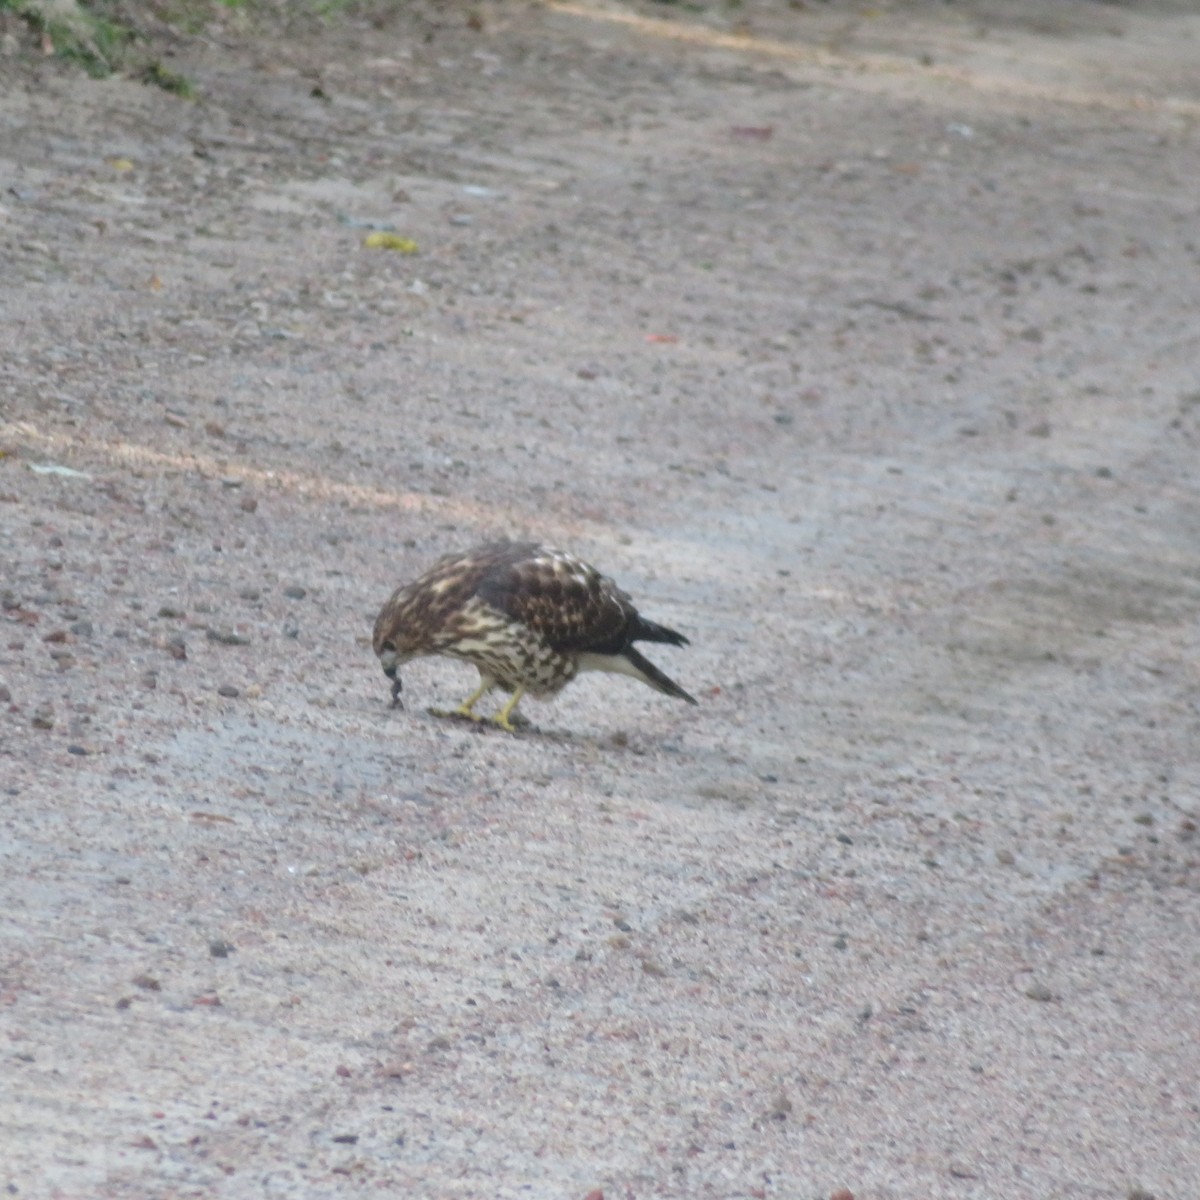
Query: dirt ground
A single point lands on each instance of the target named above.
(860, 344)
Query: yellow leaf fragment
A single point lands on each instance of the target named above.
(390, 241)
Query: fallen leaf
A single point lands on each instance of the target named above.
(390, 241)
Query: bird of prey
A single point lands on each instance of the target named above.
(530, 618)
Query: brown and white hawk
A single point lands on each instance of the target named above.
(530, 618)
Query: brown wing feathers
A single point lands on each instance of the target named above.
(565, 601)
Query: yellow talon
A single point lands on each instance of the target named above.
(461, 711)
(502, 717)
(467, 707)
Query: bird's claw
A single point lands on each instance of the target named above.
(515, 723)
(462, 714)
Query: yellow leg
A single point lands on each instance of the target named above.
(502, 717)
(467, 707)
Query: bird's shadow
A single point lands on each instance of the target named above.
(484, 726)
(617, 742)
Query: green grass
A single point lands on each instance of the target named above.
(170, 81)
(105, 37)
(96, 42)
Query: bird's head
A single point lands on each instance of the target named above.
(391, 659)
(395, 647)
(396, 640)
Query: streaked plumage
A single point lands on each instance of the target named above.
(530, 618)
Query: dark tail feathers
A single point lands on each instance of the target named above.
(652, 675)
(647, 631)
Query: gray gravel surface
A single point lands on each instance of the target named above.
(859, 345)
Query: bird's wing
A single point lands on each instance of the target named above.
(564, 601)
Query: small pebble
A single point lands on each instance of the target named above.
(219, 948)
(43, 717)
(82, 751)
(177, 647)
(170, 611)
(250, 593)
(228, 690)
(82, 629)
(295, 592)
(226, 637)
(248, 504)
(1039, 992)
